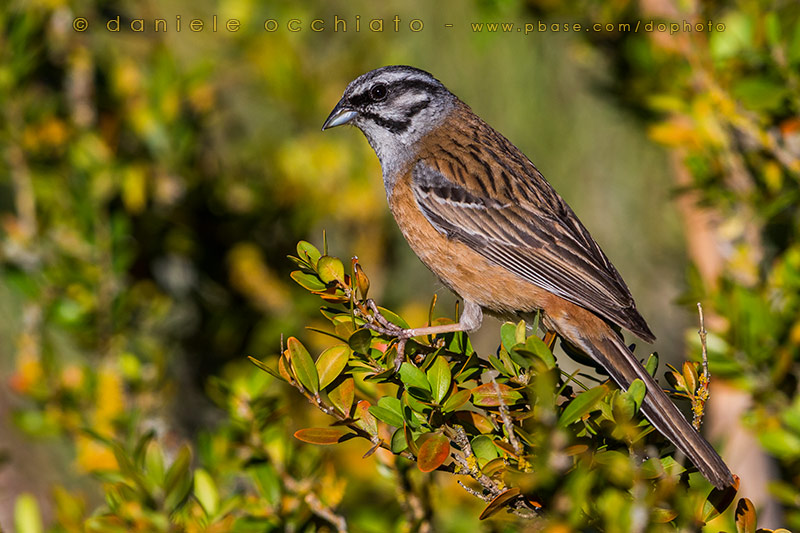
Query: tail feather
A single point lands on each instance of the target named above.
(623, 367)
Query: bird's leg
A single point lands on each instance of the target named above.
(470, 320)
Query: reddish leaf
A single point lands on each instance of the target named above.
(494, 466)
(577, 449)
(284, 369)
(456, 400)
(362, 281)
(321, 436)
(342, 396)
(491, 394)
(499, 502)
(364, 418)
(433, 451)
(690, 376)
(506, 447)
(745, 516)
(481, 423)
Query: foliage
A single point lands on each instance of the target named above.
(534, 441)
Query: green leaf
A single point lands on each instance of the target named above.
(399, 440)
(636, 392)
(390, 410)
(154, 463)
(522, 357)
(410, 442)
(439, 378)
(793, 48)
(178, 481)
(433, 451)
(331, 362)
(760, 93)
(652, 364)
(412, 410)
(623, 407)
(582, 405)
(492, 394)
(520, 331)
(536, 345)
(508, 335)
(267, 480)
(330, 269)
(360, 340)
(263, 366)
(27, 518)
(306, 250)
(663, 516)
(737, 38)
(308, 281)
(387, 415)
(342, 396)
(780, 442)
(456, 400)
(206, 491)
(303, 365)
(321, 436)
(483, 447)
(394, 318)
(413, 378)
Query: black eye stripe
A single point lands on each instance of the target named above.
(363, 98)
(416, 108)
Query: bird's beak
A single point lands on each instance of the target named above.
(341, 114)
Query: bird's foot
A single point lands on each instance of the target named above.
(384, 327)
(469, 321)
(378, 323)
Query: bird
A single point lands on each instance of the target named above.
(486, 222)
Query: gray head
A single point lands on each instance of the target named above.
(394, 107)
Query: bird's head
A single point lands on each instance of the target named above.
(395, 107)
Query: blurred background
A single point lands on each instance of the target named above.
(153, 182)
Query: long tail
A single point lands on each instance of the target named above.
(623, 367)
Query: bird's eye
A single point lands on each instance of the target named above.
(378, 92)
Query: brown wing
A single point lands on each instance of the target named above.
(499, 204)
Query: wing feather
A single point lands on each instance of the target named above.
(504, 209)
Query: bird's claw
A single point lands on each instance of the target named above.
(384, 327)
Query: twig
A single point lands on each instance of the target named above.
(700, 396)
(312, 500)
(316, 401)
(509, 425)
(319, 509)
(702, 332)
(470, 463)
